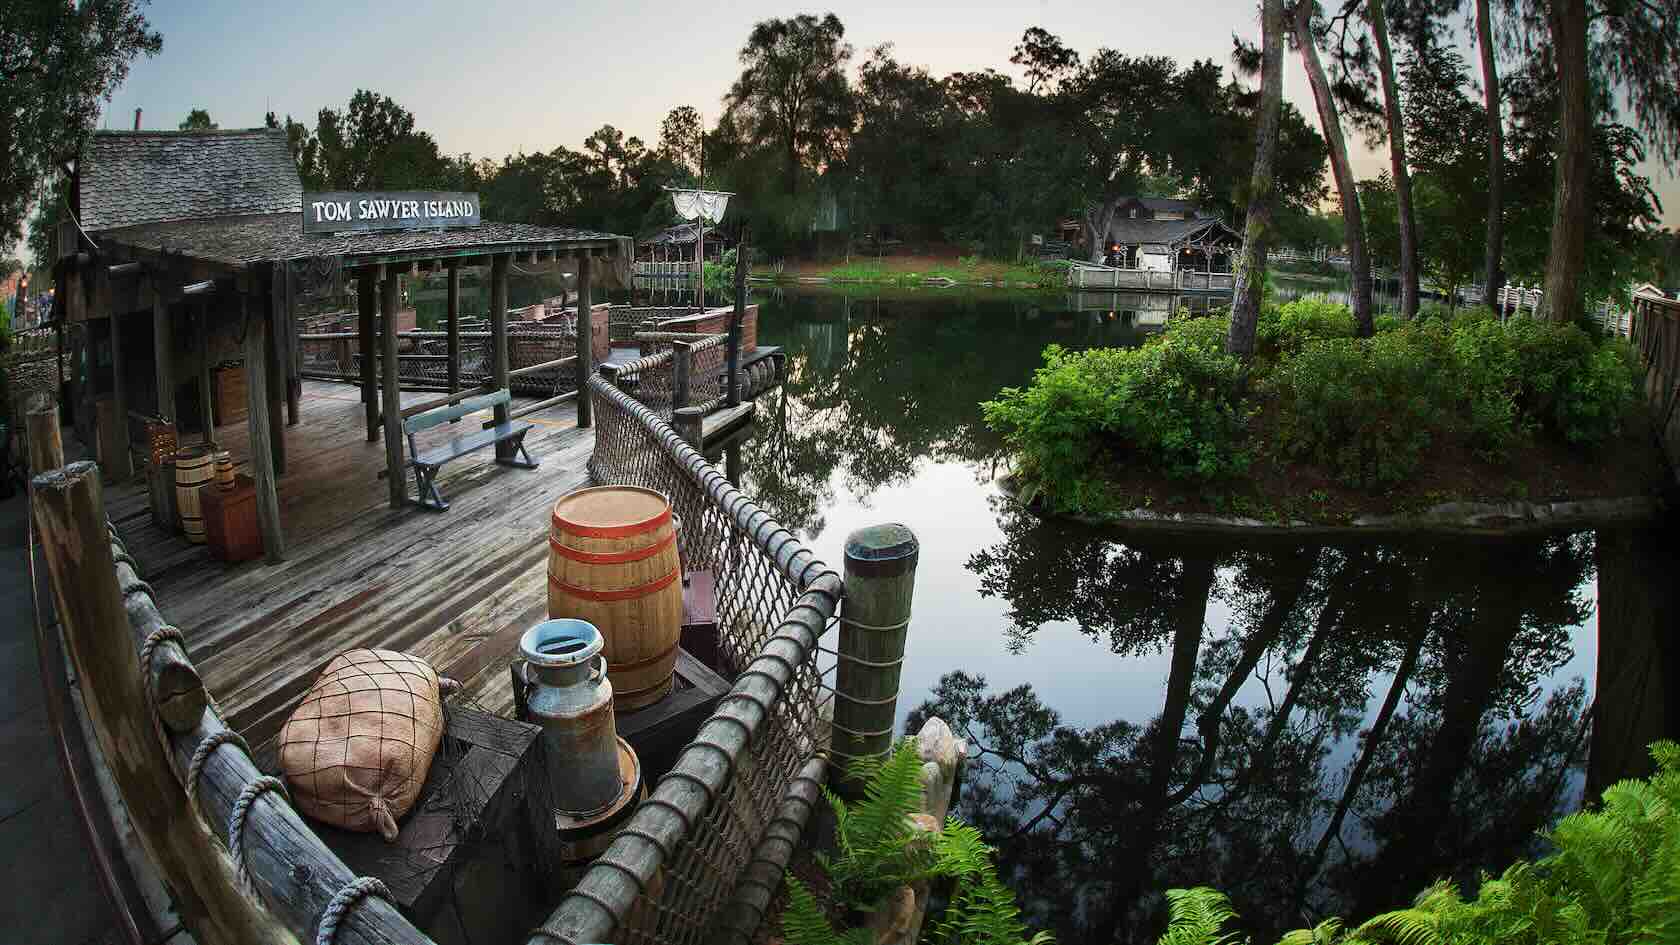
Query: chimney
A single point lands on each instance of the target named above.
(137, 119)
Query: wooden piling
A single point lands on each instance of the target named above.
(880, 579)
(585, 344)
(163, 351)
(499, 342)
(682, 370)
(76, 544)
(46, 443)
(396, 474)
(452, 326)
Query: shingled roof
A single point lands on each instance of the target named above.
(1127, 231)
(139, 177)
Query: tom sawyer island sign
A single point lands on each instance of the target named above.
(336, 211)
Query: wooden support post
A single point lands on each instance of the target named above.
(276, 365)
(682, 372)
(293, 373)
(163, 351)
(880, 577)
(452, 327)
(202, 329)
(499, 342)
(732, 380)
(687, 421)
(396, 475)
(46, 443)
(257, 403)
(585, 344)
(365, 302)
(91, 611)
(120, 466)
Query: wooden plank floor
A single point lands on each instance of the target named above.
(455, 588)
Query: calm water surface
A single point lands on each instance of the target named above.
(1313, 728)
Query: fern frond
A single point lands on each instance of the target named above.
(803, 921)
(1197, 915)
(983, 912)
(1414, 926)
(1324, 933)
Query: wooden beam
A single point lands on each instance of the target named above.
(294, 356)
(119, 467)
(163, 352)
(396, 475)
(126, 269)
(202, 329)
(257, 402)
(275, 364)
(365, 301)
(206, 287)
(498, 339)
(585, 344)
(452, 326)
(444, 401)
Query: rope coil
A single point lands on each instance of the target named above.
(201, 754)
(236, 824)
(343, 901)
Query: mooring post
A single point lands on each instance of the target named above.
(732, 377)
(880, 577)
(585, 344)
(46, 442)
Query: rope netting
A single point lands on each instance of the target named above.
(423, 357)
(672, 874)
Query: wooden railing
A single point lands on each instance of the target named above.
(1148, 280)
(1656, 335)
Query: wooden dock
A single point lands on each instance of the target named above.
(456, 587)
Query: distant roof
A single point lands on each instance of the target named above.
(241, 240)
(1158, 204)
(679, 234)
(135, 177)
(1126, 230)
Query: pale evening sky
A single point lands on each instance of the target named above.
(493, 77)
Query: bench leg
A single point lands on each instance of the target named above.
(425, 479)
(516, 450)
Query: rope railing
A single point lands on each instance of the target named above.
(725, 811)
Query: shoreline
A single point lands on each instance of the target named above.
(1456, 518)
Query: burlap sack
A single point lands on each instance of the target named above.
(356, 752)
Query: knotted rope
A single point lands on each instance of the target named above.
(236, 824)
(343, 901)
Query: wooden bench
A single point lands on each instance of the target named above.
(426, 463)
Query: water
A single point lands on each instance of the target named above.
(1156, 713)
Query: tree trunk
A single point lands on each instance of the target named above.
(1329, 118)
(1257, 227)
(1566, 263)
(1096, 227)
(1493, 276)
(1397, 161)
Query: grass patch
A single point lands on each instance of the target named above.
(967, 270)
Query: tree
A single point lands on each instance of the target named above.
(682, 140)
(371, 145)
(1330, 122)
(1397, 159)
(1493, 271)
(199, 120)
(792, 94)
(1044, 57)
(1257, 226)
(59, 60)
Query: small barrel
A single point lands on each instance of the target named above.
(612, 561)
(192, 472)
(224, 471)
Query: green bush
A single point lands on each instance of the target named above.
(1175, 403)
(1614, 877)
(1366, 408)
(1287, 328)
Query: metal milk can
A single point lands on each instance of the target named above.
(561, 684)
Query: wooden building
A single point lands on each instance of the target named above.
(1164, 234)
(183, 263)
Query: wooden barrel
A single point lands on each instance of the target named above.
(224, 471)
(193, 470)
(612, 560)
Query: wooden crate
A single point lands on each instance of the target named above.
(230, 520)
(464, 857)
(228, 385)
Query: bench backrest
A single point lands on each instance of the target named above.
(444, 414)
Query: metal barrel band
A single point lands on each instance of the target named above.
(626, 593)
(613, 557)
(613, 667)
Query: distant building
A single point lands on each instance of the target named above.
(1163, 234)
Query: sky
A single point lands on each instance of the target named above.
(494, 77)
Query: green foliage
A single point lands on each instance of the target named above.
(1288, 327)
(1175, 403)
(1614, 877)
(879, 851)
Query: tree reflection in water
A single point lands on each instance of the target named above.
(1368, 718)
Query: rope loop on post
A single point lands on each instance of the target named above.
(236, 824)
(343, 901)
(201, 755)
